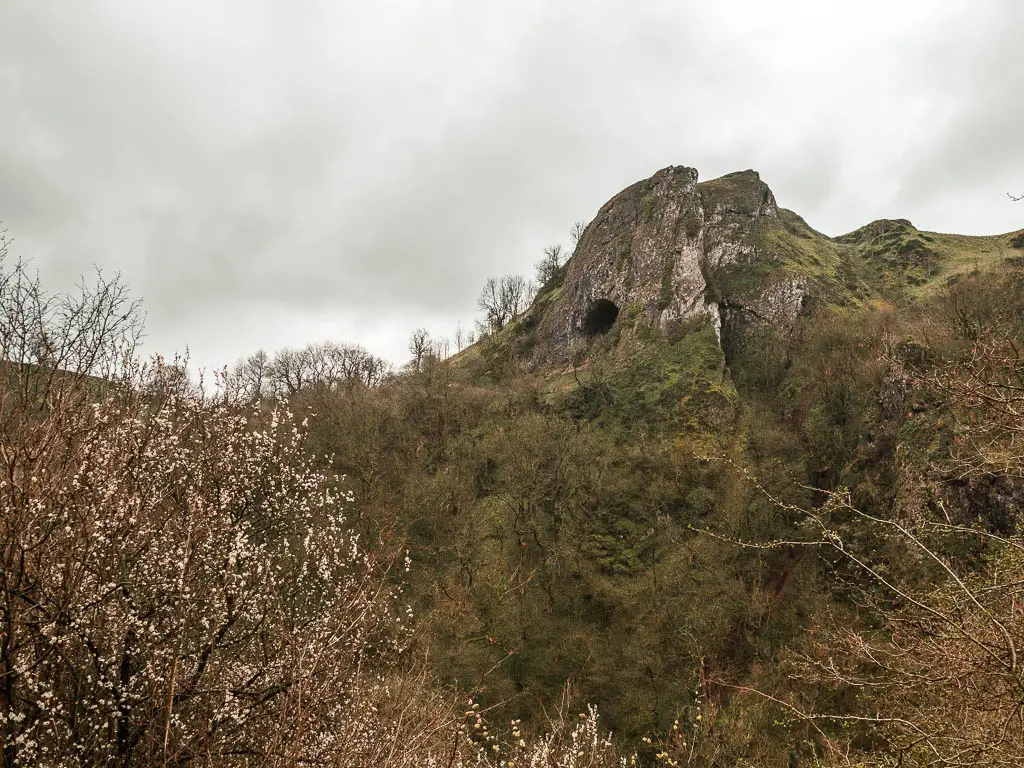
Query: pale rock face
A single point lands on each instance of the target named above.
(649, 248)
(715, 313)
(781, 301)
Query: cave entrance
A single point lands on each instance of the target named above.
(600, 317)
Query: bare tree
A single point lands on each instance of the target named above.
(503, 300)
(988, 388)
(518, 292)
(347, 364)
(146, 626)
(248, 380)
(419, 347)
(290, 371)
(440, 349)
(492, 305)
(376, 370)
(549, 266)
(460, 338)
(576, 233)
(64, 337)
(316, 366)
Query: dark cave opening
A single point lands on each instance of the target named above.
(600, 317)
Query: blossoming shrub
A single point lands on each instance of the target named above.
(566, 743)
(182, 586)
(178, 583)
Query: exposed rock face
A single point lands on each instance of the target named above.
(650, 250)
(780, 301)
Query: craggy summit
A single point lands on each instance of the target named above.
(670, 250)
(654, 248)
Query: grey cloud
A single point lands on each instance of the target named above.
(264, 171)
(975, 141)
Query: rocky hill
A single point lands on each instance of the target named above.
(754, 492)
(671, 249)
(634, 491)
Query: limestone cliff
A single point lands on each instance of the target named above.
(668, 250)
(651, 249)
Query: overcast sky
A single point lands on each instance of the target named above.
(272, 173)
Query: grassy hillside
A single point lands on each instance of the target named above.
(903, 260)
(790, 540)
(888, 259)
(557, 521)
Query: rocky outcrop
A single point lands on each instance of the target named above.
(651, 251)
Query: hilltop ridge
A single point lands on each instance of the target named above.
(671, 250)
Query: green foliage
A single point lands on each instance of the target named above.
(668, 386)
(737, 283)
(553, 544)
(552, 518)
